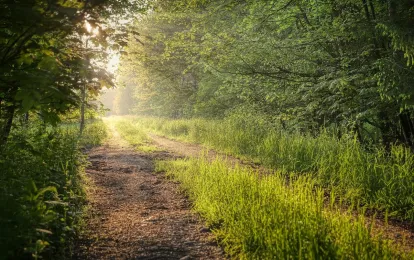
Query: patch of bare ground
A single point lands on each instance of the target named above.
(136, 214)
(400, 232)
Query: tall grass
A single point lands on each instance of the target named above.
(42, 189)
(134, 134)
(94, 134)
(376, 178)
(272, 218)
(131, 132)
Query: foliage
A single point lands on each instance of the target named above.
(261, 217)
(50, 65)
(307, 64)
(42, 190)
(94, 134)
(49, 59)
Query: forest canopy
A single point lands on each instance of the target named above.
(305, 65)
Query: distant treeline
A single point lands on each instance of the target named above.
(306, 65)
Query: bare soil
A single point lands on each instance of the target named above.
(137, 214)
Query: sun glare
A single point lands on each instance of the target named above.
(113, 62)
(113, 57)
(90, 29)
(95, 31)
(88, 26)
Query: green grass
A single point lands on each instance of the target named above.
(134, 135)
(148, 148)
(381, 180)
(274, 217)
(94, 134)
(42, 189)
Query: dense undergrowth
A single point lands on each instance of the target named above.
(268, 217)
(42, 189)
(376, 178)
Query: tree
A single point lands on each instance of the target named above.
(306, 64)
(42, 57)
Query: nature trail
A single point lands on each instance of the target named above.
(136, 214)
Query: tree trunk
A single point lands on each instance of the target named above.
(371, 5)
(365, 4)
(386, 130)
(8, 125)
(391, 9)
(82, 111)
(26, 117)
(407, 128)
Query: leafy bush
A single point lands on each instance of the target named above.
(41, 189)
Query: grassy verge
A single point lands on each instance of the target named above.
(377, 179)
(134, 134)
(42, 189)
(271, 217)
(94, 134)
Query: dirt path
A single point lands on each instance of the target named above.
(136, 214)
